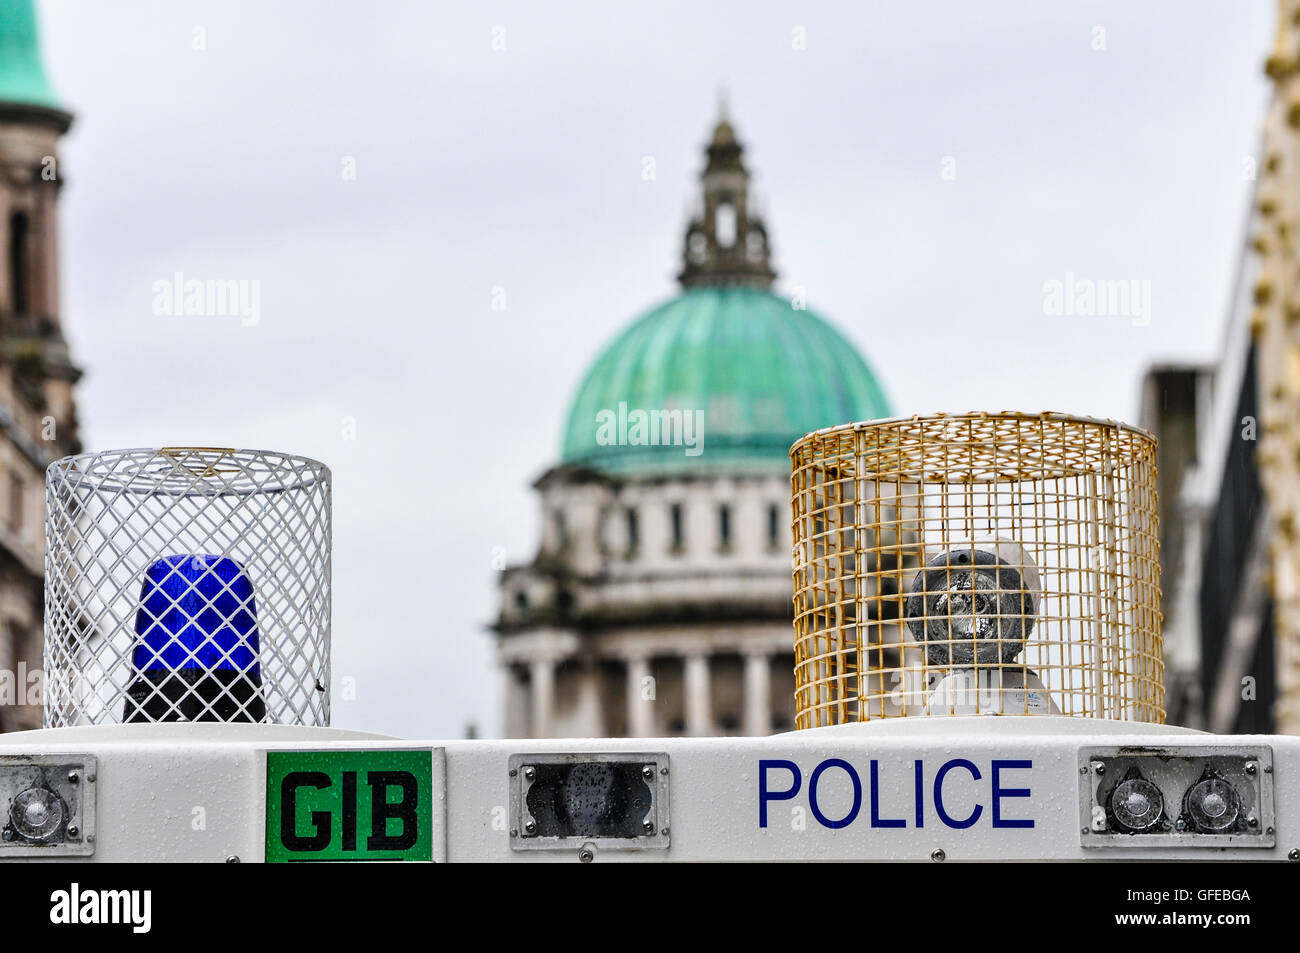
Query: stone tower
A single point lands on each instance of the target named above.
(38, 419)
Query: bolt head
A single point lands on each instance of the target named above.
(586, 855)
(648, 827)
(7, 834)
(1098, 767)
(232, 859)
(1252, 821)
(938, 856)
(73, 777)
(1251, 767)
(530, 827)
(73, 830)
(648, 772)
(530, 772)
(1293, 854)
(514, 772)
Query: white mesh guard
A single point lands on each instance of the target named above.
(111, 516)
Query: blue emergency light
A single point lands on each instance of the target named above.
(196, 643)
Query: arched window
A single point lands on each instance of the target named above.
(19, 289)
(561, 530)
(724, 225)
(633, 531)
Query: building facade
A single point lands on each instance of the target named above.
(38, 419)
(659, 602)
(1231, 484)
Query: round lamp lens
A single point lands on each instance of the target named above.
(1136, 805)
(1214, 806)
(37, 814)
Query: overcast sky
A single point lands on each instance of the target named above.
(1103, 140)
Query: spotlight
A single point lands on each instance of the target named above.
(973, 607)
(974, 603)
(38, 815)
(1135, 806)
(1212, 805)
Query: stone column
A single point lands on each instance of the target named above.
(640, 697)
(699, 705)
(516, 703)
(542, 673)
(590, 710)
(758, 693)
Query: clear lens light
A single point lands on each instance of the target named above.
(1137, 805)
(37, 814)
(1214, 806)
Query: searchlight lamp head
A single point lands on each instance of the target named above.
(975, 603)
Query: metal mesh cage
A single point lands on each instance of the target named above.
(976, 564)
(187, 584)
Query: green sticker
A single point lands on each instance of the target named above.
(349, 805)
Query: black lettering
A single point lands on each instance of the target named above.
(381, 810)
(289, 811)
(349, 810)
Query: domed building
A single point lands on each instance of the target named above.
(659, 602)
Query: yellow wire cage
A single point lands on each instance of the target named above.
(974, 564)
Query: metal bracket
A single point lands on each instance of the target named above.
(589, 801)
(48, 805)
(1174, 770)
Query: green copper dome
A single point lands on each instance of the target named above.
(753, 372)
(22, 77)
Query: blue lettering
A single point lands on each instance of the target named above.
(1000, 792)
(938, 794)
(876, 820)
(920, 794)
(764, 795)
(847, 819)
